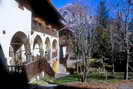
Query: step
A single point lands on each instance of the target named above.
(59, 75)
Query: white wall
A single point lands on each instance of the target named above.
(12, 19)
(44, 37)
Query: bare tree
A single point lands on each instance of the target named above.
(79, 24)
(82, 41)
(124, 16)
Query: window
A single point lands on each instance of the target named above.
(4, 32)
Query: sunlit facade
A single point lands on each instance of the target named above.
(23, 38)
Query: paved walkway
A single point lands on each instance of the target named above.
(49, 86)
(120, 85)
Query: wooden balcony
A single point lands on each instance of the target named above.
(46, 30)
(33, 68)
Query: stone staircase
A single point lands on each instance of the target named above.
(62, 71)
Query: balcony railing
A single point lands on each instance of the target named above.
(33, 68)
(15, 68)
(45, 30)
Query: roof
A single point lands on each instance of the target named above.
(44, 10)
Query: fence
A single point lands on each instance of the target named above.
(33, 68)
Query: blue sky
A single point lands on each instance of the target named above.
(60, 3)
(91, 3)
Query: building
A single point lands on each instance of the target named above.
(29, 31)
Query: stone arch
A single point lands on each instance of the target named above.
(21, 47)
(38, 46)
(54, 48)
(47, 48)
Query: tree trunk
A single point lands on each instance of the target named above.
(112, 44)
(113, 63)
(127, 64)
(113, 69)
(106, 72)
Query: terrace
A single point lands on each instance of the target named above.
(38, 67)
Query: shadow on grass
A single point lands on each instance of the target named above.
(67, 79)
(94, 77)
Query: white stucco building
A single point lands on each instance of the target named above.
(23, 37)
(12, 20)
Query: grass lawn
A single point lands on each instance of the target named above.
(45, 81)
(92, 77)
(67, 79)
(40, 82)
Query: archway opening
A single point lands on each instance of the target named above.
(20, 48)
(47, 48)
(38, 46)
(54, 49)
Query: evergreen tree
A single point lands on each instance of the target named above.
(101, 43)
(102, 18)
(130, 25)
